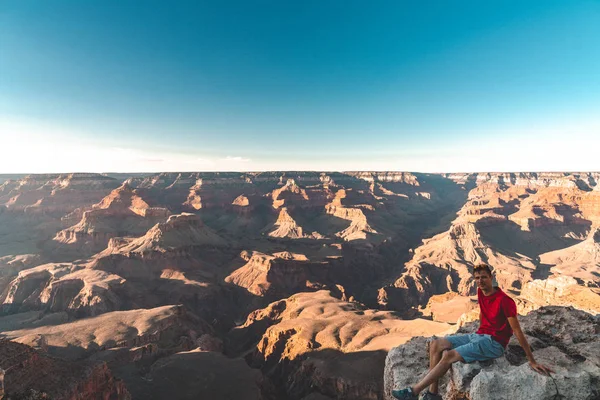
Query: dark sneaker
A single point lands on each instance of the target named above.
(404, 394)
(430, 396)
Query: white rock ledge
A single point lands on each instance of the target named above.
(565, 339)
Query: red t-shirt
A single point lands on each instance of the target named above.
(495, 310)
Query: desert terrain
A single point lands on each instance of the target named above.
(283, 285)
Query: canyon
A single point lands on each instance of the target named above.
(288, 285)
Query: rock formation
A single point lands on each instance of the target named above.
(173, 263)
(359, 227)
(286, 227)
(54, 194)
(178, 231)
(147, 271)
(313, 342)
(527, 226)
(280, 275)
(122, 213)
(560, 291)
(289, 194)
(29, 373)
(580, 261)
(561, 337)
(112, 333)
(10, 266)
(31, 207)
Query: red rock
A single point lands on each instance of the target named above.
(27, 370)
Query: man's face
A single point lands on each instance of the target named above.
(483, 280)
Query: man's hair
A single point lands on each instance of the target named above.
(483, 267)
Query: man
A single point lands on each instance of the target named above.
(498, 321)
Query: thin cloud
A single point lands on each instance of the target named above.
(152, 160)
(236, 159)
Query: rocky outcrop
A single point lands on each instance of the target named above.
(122, 213)
(531, 180)
(382, 176)
(560, 291)
(527, 226)
(285, 227)
(174, 263)
(289, 194)
(31, 208)
(561, 337)
(194, 199)
(241, 201)
(444, 264)
(450, 306)
(359, 227)
(63, 287)
(194, 191)
(28, 372)
(280, 275)
(163, 327)
(178, 231)
(317, 343)
(580, 261)
(53, 193)
(10, 266)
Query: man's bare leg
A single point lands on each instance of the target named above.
(436, 348)
(448, 358)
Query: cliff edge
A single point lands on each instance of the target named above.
(563, 338)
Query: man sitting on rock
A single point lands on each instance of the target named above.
(498, 321)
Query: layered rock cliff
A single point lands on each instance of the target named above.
(122, 213)
(280, 275)
(175, 262)
(526, 226)
(112, 335)
(313, 342)
(28, 372)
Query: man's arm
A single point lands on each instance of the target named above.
(516, 327)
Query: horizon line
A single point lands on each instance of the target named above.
(300, 170)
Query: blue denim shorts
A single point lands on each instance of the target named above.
(476, 347)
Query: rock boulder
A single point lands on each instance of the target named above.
(565, 339)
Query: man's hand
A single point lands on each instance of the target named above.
(516, 327)
(542, 369)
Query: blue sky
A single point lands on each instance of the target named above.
(311, 85)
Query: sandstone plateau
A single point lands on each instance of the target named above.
(298, 284)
